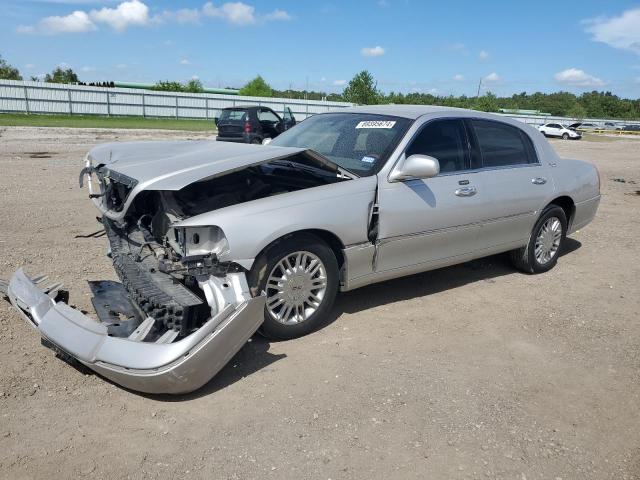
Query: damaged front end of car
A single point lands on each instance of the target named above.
(183, 307)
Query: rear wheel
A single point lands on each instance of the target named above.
(546, 241)
(300, 278)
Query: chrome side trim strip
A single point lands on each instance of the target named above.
(455, 227)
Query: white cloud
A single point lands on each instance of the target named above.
(88, 69)
(323, 79)
(236, 13)
(483, 55)
(187, 15)
(129, 13)
(195, 77)
(493, 77)
(372, 51)
(277, 14)
(621, 32)
(339, 83)
(76, 22)
(458, 47)
(184, 61)
(29, 66)
(121, 66)
(575, 77)
(458, 78)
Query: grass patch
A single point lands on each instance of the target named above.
(90, 121)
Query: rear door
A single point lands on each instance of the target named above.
(517, 183)
(231, 122)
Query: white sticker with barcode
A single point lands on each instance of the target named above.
(376, 124)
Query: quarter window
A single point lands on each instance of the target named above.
(444, 140)
(502, 145)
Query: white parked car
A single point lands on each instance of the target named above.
(558, 130)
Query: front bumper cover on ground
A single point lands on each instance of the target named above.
(179, 367)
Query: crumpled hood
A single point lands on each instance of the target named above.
(172, 165)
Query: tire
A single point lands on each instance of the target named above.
(309, 314)
(565, 136)
(525, 258)
(256, 141)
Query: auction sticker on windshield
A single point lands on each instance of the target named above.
(376, 124)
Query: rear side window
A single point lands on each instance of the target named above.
(233, 115)
(444, 140)
(502, 145)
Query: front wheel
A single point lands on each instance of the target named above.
(565, 136)
(546, 241)
(300, 278)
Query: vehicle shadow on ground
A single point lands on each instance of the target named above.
(255, 355)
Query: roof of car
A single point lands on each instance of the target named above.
(406, 111)
(243, 107)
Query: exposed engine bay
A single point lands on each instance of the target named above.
(170, 274)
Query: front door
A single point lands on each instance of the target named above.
(423, 222)
(269, 122)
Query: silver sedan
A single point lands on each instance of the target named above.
(213, 241)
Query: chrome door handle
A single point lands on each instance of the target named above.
(466, 191)
(539, 181)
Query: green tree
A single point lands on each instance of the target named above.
(168, 86)
(486, 103)
(8, 72)
(193, 86)
(363, 90)
(577, 111)
(59, 75)
(257, 88)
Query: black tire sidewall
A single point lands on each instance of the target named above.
(265, 262)
(550, 211)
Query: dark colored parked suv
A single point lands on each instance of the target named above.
(252, 124)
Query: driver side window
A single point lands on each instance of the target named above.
(267, 115)
(445, 140)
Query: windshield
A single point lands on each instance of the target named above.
(357, 142)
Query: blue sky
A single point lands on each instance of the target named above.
(408, 45)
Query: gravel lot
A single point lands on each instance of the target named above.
(474, 371)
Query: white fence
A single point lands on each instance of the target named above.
(537, 120)
(53, 98)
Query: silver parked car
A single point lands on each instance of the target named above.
(213, 241)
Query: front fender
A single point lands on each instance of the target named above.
(340, 208)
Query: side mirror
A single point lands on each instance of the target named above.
(415, 167)
(280, 127)
(266, 141)
(216, 120)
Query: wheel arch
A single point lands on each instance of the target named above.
(328, 237)
(567, 204)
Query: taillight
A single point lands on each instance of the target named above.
(247, 127)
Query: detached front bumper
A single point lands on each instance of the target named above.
(151, 367)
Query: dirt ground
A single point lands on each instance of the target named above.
(474, 371)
